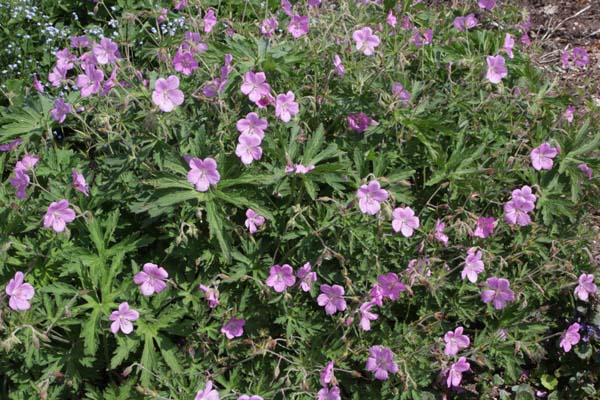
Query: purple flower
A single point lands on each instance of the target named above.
(586, 170)
(381, 362)
(516, 212)
(11, 145)
(253, 220)
(456, 369)
(166, 94)
(208, 393)
(329, 394)
(360, 122)
(424, 39)
(255, 86)
(391, 19)
(366, 316)
(287, 7)
(286, 106)
(122, 319)
(152, 279)
(80, 42)
(439, 232)
(404, 221)
(376, 295)
(64, 59)
(306, 277)
(499, 294)
(401, 93)
(487, 4)
(508, 45)
(37, 85)
(185, 62)
(465, 23)
(233, 328)
(303, 170)
(298, 26)
(20, 182)
(210, 20)
(281, 277)
(19, 293)
(331, 298)
(106, 52)
(365, 40)
(27, 163)
(79, 182)
(337, 63)
(203, 173)
(179, 6)
(496, 69)
(571, 337)
(327, 374)
(455, 341)
(90, 82)
(57, 76)
(211, 295)
(268, 26)
(252, 125)
(585, 287)
(485, 227)
(248, 148)
(580, 57)
(541, 156)
(370, 197)
(58, 215)
(390, 285)
(473, 265)
(569, 113)
(524, 194)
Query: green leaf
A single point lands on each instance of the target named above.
(215, 223)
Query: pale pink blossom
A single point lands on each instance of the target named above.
(152, 279)
(286, 106)
(365, 40)
(455, 341)
(404, 221)
(307, 277)
(233, 328)
(456, 370)
(166, 94)
(370, 197)
(253, 220)
(58, 215)
(211, 295)
(585, 287)
(281, 277)
(19, 293)
(541, 156)
(203, 173)
(79, 182)
(332, 299)
(122, 319)
(208, 393)
(571, 337)
(255, 85)
(499, 293)
(298, 26)
(366, 316)
(210, 20)
(248, 148)
(473, 265)
(496, 69)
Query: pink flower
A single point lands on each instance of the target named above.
(365, 40)
(485, 227)
(298, 26)
(465, 23)
(179, 6)
(509, 43)
(329, 394)
(285, 106)
(303, 170)
(585, 287)
(376, 295)
(163, 16)
(516, 212)
(57, 76)
(211, 295)
(331, 298)
(337, 63)
(287, 7)
(106, 52)
(327, 374)
(401, 93)
(37, 85)
(524, 194)
(203, 173)
(473, 265)
(152, 279)
(306, 277)
(253, 220)
(248, 148)
(20, 182)
(281, 277)
(381, 362)
(424, 39)
(79, 182)
(60, 110)
(439, 233)
(64, 59)
(166, 94)
(252, 125)
(210, 20)
(370, 197)
(233, 328)
(268, 26)
(569, 113)
(487, 4)
(20, 293)
(455, 341)
(366, 316)
(208, 393)
(541, 156)
(571, 337)
(456, 369)
(404, 221)
(499, 294)
(580, 57)
(255, 86)
(360, 122)
(185, 62)
(496, 69)
(89, 83)
(390, 285)
(586, 170)
(80, 42)
(58, 215)
(27, 163)
(391, 19)
(122, 319)
(314, 3)
(11, 145)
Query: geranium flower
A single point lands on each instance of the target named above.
(365, 40)
(37, 85)
(106, 52)
(500, 292)
(287, 7)
(360, 122)
(401, 93)
(473, 265)
(253, 220)
(58, 215)
(405, 221)
(455, 341)
(585, 287)
(11, 145)
(233, 328)
(252, 125)
(90, 82)
(285, 106)
(79, 182)
(366, 316)
(122, 319)
(327, 374)
(307, 277)
(485, 227)
(27, 163)
(487, 4)
(178, 7)
(524, 194)
(184, 62)
(57, 76)
(381, 362)
(456, 370)
(248, 148)
(376, 295)
(370, 197)
(571, 337)
(337, 63)
(391, 19)
(208, 393)
(20, 182)
(390, 286)
(331, 298)
(569, 113)
(516, 212)
(255, 86)
(268, 26)
(439, 233)
(580, 57)
(60, 110)
(281, 277)
(541, 156)
(496, 69)
(166, 94)
(329, 394)
(152, 279)
(203, 173)
(298, 26)
(65, 60)
(586, 170)
(465, 23)
(211, 295)
(210, 20)
(19, 293)
(508, 45)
